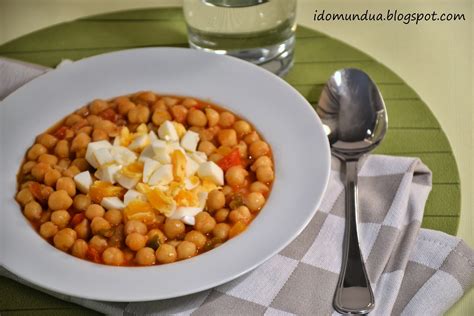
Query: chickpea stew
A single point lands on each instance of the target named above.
(145, 179)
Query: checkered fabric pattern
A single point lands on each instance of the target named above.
(413, 271)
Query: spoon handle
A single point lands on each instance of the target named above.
(353, 293)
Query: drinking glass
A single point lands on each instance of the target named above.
(259, 31)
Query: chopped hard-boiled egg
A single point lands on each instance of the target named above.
(161, 151)
(198, 156)
(182, 211)
(167, 131)
(83, 181)
(139, 143)
(189, 220)
(123, 155)
(147, 153)
(163, 175)
(107, 172)
(92, 148)
(133, 195)
(211, 171)
(191, 167)
(103, 156)
(190, 141)
(149, 166)
(112, 203)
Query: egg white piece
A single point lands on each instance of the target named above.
(133, 195)
(147, 153)
(163, 175)
(198, 156)
(107, 173)
(83, 181)
(140, 142)
(103, 156)
(191, 167)
(112, 203)
(212, 172)
(189, 220)
(126, 182)
(182, 211)
(122, 155)
(190, 141)
(168, 132)
(92, 148)
(149, 166)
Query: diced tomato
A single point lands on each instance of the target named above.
(93, 255)
(77, 219)
(60, 133)
(109, 114)
(40, 192)
(232, 159)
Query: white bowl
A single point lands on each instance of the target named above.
(279, 112)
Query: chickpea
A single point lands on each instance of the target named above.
(227, 137)
(82, 229)
(259, 148)
(94, 210)
(59, 200)
(212, 116)
(205, 223)
(221, 215)
(135, 241)
(242, 128)
(156, 233)
(107, 126)
(99, 243)
(47, 140)
(179, 113)
(227, 190)
(226, 119)
(79, 248)
(27, 166)
(134, 226)
(72, 120)
(66, 184)
(64, 239)
(206, 147)
(160, 116)
(235, 176)
(242, 147)
(263, 161)
(170, 101)
(159, 105)
(258, 186)
(139, 114)
(81, 202)
(166, 254)
(40, 170)
(196, 238)
(35, 151)
(240, 214)
(97, 106)
(124, 105)
(197, 118)
(255, 201)
(113, 216)
(173, 228)
(215, 200)
(86, 129)
(48, 230)
(24, 196)
(81, 164)
(146, 97)
(60, 218)
(265, 174)
(93, 119)
(62, 149)
(49, 159)
(186, 249)
(251, 138)
(207, 134)
(113, 256)
(221, 231)
(33, 210)
(80, 141)
(99, 225)
(145, 256)
(64, 163)
(99, 134)
(188, 102)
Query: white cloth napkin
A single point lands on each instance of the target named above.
(413, 271)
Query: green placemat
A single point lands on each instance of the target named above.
(413, 130)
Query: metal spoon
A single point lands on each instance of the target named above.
(353, 112)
